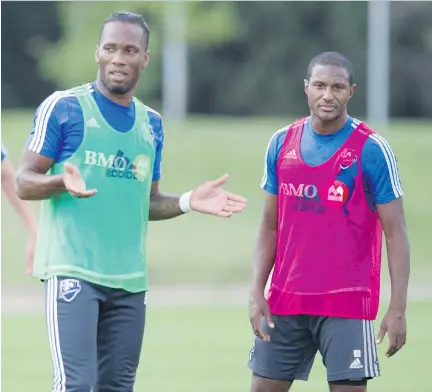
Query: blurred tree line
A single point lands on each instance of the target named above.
(245, 58)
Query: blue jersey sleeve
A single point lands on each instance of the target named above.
(158, 134)
(269, 181)
(47, 134)
(3, 152)
(381, 170)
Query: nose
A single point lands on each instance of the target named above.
(118, 58)
(328, 94)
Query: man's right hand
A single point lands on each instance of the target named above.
(74, 183)
(258, 308)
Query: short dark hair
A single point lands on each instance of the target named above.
(332, 58)
(128, 17)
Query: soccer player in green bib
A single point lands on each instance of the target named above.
(93, 158)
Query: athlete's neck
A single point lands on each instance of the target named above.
(328, 127)
(121, 99)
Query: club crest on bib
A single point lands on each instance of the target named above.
(141, 167)
(69, 289)
(347, 158)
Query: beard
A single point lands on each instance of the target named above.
(116, 88)
(119, 90)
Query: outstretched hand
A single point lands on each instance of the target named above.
(210, 199)
(74, 183)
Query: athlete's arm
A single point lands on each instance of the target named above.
(23, 208)
(163, 205)
(382, 173)
(208, 198)
(42, 149)
(32, 181)
(265, 246)
(398, 250)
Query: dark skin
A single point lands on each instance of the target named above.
(328, 92)
(121, 56)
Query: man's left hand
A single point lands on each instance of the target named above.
(210, 199)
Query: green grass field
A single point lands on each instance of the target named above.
(201, 349)
(206, 349)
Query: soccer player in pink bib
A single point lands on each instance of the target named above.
(332, 187)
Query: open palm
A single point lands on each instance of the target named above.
(209, 198)
(74, 183)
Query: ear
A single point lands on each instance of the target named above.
(306, 85)
(352, 89)
(146, 60)
(97, 55)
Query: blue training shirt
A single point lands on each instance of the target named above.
(3, 152)
(378, 162)
(58, 125)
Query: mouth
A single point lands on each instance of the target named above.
(117, 75)
(327, 108)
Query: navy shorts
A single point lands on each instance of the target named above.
(347, 346)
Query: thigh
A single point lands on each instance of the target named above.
(290, 353)
(120, 337)
(348, 349)
(72, 308)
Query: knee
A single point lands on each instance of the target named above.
(349, 385)
(116, 383)
(73, 384)
(78, 386)
(262, 384)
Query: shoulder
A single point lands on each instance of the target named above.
(277, 138)
(377, 147)
(281, 133)
(380, 166)
(154, 116)
(156, 124)
(56, 103)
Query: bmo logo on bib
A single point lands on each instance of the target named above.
(119, 166)
(298, 190)
(338, 192)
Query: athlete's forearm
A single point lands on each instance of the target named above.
(164, 206)
(23, 208)
(35, 186)
(264, 257)
(398, 251)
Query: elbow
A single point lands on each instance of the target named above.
(20, 187)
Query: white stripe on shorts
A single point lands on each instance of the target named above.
(370, 354)
(59, 381)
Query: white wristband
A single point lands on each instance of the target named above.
(184, 202)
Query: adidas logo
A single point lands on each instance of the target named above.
(291, 155)
(356, 364)
(92, 123)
